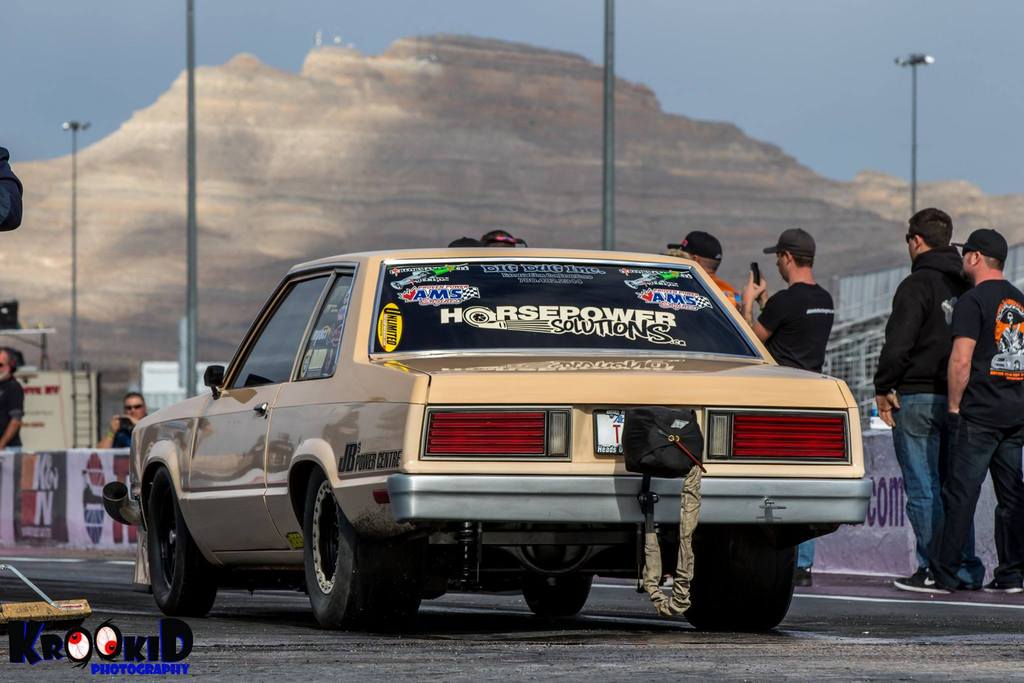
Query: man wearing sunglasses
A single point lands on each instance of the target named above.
(911, 390)
(121, 426)
(12, 402)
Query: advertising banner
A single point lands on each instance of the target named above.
(6, 497)
(89, 526)
(885, 543)
(40, 498)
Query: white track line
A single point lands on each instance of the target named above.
(126, 563)
(955, 603)
(856, 598)
(64, 560)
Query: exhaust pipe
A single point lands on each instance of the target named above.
(119, 504)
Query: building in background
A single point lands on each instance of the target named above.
(57, 418)
(161, 382)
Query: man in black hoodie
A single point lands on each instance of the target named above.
(10, 194)
(910, 385)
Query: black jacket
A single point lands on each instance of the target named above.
(10, 194)
(917, 336)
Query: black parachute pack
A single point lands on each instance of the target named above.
(666, 443)
(662, 442)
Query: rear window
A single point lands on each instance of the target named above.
(521, 304)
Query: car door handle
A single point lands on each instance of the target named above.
(262, 409)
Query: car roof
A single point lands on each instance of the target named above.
(446, 254)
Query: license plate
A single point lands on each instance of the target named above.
(608, 431)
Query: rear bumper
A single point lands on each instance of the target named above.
(612, 500)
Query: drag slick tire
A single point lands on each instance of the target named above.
(556, 597)
(182, 580)
(741, 581)
(354, 581)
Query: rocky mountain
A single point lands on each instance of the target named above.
(437, 137)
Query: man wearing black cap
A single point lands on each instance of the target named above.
(706, 250)
(794, 326)
(986, 415)
(910, 384)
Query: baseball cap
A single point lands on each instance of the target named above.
(987, 242)
(700, 243)
(796, 241)
(465, 242)
(501, 237)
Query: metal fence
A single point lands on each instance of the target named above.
(865, 301)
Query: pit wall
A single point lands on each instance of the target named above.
(55, 499)
(884, 544)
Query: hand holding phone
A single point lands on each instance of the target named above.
(756, 270)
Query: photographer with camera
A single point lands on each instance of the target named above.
(121, 426)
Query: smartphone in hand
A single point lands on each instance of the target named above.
(756, 270)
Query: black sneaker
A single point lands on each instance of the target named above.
(920, 581)
(994, 586)
(803, 577)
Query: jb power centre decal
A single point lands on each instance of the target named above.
(626, 323)
(674, 299)
(354, 460)
(439, 295)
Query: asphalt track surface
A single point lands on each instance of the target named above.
(841, 629)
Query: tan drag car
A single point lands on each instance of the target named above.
(399, 424)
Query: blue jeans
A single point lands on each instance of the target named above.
(976, 451)
(805, 554)
(921, 442)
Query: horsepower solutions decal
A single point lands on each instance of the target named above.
(628, 323)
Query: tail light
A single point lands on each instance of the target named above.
(804, 437)
(539, 433)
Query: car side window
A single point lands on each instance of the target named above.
(321, 356)
(270, 358)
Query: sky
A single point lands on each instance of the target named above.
(815, 77)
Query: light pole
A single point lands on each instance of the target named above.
(74, 127)
(608, 166)
(913, 61)
(191, 294)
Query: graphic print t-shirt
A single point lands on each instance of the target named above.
(993, 315)
(800, 320)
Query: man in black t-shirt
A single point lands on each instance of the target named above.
(986, 405)
(794, 326)
(795, 323)
(12, 402)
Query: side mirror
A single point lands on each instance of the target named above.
(214, 378)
